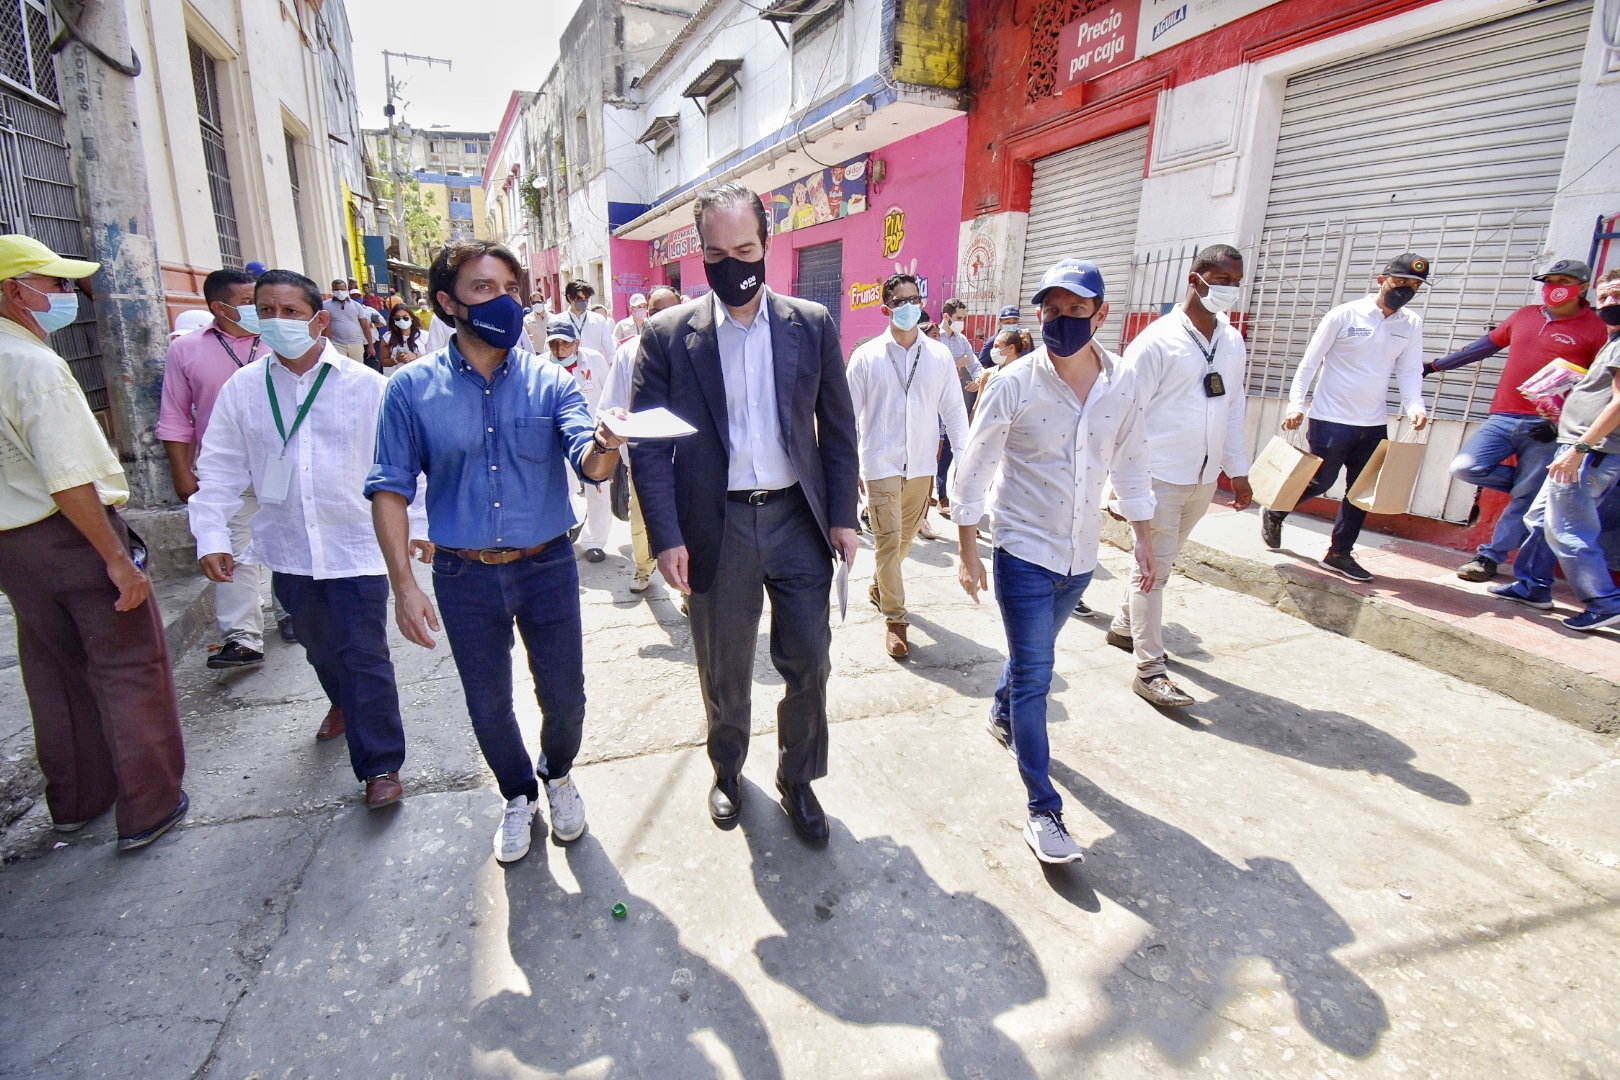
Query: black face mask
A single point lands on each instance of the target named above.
(1610, 313)
(1399, 297)
(735, 282)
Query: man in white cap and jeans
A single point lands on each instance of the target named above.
(589, 370)
(90, 640)
(630, 327)
(1051, 428)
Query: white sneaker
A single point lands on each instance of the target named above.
(1049, 840)
(567, 809)
(517, 825)
(641, 583)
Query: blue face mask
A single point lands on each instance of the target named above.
(1066, 334)
(247, 317)
(498, 322)
(64, 309)
(289, 338)
(906, 316)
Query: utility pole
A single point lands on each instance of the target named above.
(397, 168)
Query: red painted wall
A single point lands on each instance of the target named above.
(1006, 131)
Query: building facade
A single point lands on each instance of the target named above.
(230, 136)
(509, 183)
(1321, 139)
(847, 118)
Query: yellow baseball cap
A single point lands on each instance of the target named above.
(24, 255)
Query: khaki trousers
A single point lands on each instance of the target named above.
(896, 506)
(646, 562)
(1177, 508)
(353, 352)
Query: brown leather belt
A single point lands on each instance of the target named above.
(496, 556)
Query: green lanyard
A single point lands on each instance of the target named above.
(303, 411)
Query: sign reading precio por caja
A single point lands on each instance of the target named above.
(1117, 33)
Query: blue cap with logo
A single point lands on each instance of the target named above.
(560, 328)
(1009, 312)
(1079, 276)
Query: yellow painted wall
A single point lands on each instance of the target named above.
(930, 39)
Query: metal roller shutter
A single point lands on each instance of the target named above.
(1450, 147)
(819, 276)
(1084, 205)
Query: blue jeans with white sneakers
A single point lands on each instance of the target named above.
(1567, 515)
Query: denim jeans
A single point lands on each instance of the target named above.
(1035, 604)
(1480, 462)
(1340, 446)
(1568, 514)
(479, 605)
(342, 624)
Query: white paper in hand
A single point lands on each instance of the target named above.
(843, 587)
(648, 424)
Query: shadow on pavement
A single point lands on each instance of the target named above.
(949, 658)
(1329, 740)
(623, 989)
(871, 938)
(1207, 914)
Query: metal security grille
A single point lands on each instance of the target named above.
(297, 199)
(1450, 147)
(820, 277)
(205, 81)
(38, 198)
(1084, 205)
(25, 37)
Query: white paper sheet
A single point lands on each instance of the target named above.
(648, 424)
(843, 587)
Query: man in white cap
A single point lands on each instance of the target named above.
(631, 327)
(589, 369)
(95, 662)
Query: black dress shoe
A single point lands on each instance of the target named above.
(235, 655)
(804, 811)
(725, 801)
(288, 634)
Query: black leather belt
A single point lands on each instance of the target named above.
(760, 496)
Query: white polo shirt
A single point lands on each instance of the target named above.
(1356, 348)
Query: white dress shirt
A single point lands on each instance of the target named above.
(1192, 438)
(323, 528)
(759, 458)
(589, 369)
(900, 396)
(1048, 455)
(1356, 348)
(439, 333)
(621, 374)
(593, 331)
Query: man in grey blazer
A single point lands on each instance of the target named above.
(760, 500)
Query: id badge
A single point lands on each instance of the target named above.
(1213, 385)
(275, 481)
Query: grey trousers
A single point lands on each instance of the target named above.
(777, 549)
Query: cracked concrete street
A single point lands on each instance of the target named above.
(1339, 863)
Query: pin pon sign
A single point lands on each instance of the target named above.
(1098, 42)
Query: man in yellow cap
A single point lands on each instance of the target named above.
(95, 662)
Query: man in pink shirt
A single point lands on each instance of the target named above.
(198, 364)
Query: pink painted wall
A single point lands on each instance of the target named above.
(631, 274)
(924, 180)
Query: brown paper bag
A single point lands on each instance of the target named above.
(1385, 485)
(1279, 475)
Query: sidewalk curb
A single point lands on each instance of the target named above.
(188, 614)
(1588, 701)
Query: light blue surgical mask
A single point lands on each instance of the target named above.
(247, 317)
(64, 309)
(906, 316)
(289, 338)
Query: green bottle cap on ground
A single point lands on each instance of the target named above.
(618, 911)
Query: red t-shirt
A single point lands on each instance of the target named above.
(1533, 340)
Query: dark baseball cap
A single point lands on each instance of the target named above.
(1409, 265)
(1009, 312)
(1567, 268)
(1079, 276)
(560, 328)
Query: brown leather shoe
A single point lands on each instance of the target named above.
(384, 790)
(895, 641)
(331, 727)
(872, 595)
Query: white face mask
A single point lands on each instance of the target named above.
(1221, 298)
(340, 294)
(403, 324)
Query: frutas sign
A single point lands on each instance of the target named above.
(1098, 43)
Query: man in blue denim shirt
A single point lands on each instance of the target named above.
(494, 428)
